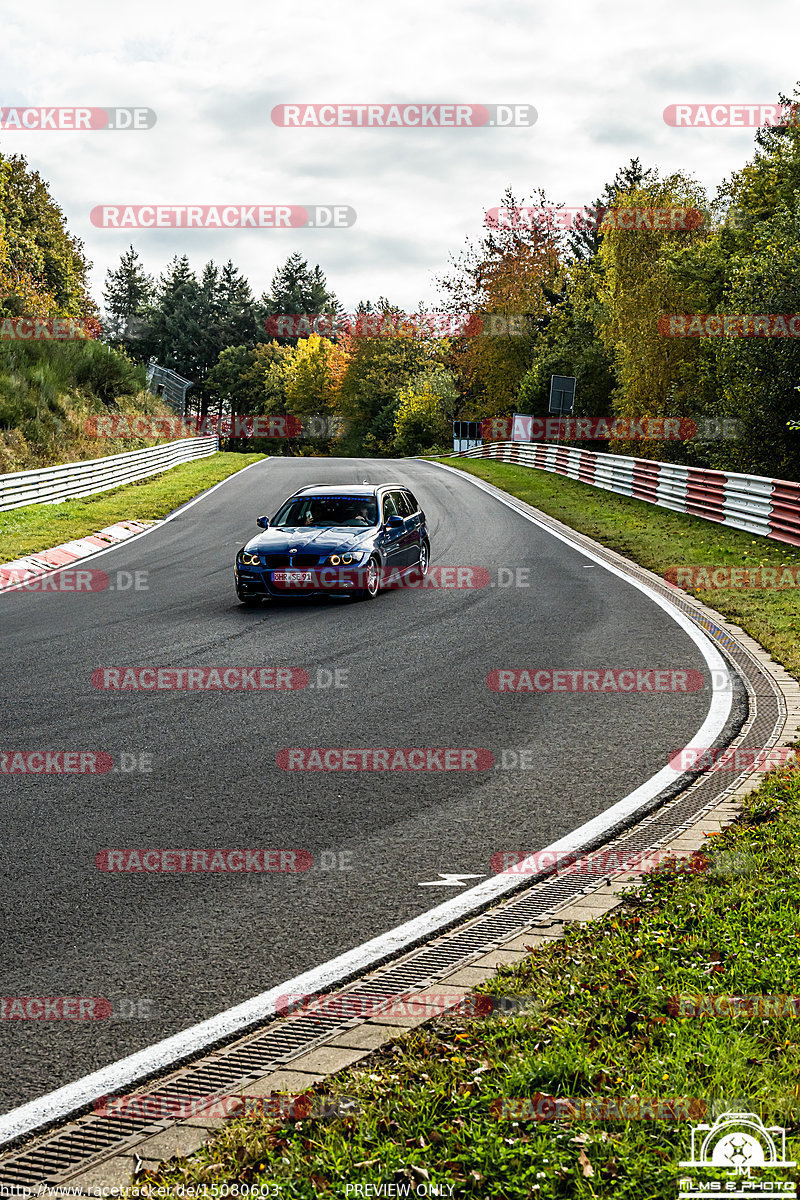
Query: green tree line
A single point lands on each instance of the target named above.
(587, 299)
(591, 300)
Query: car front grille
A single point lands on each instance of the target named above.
(290, 560)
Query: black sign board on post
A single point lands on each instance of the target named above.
(562, 393)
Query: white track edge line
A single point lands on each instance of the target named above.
(73, 1096)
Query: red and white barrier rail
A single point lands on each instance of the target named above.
(753, 503)
(51, 484)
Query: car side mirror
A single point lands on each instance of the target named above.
(394, 522)
(262, 522)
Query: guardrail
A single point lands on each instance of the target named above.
(72, 480)
(753, 503)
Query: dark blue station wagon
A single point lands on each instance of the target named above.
(343, 539)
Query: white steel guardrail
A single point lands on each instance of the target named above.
(72, 480)
(753, 503)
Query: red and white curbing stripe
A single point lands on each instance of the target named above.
(22, 570)
(753, 503)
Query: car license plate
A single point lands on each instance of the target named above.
(291, 577)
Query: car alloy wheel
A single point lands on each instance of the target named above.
(424, 559)
(373, 579)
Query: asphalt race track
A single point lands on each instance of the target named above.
(414, 663)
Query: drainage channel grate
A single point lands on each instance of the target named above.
(88, 1140)
(75, 1144)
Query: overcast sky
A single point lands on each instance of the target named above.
(599, 74)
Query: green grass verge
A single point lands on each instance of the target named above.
(658, 538)
(40, 526)
(600, 1023)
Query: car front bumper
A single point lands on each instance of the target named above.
(315, 581)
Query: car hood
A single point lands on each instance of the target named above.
(311, 541)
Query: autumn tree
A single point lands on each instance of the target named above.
(41, 264)
(637, 286)
(501, 277)
(751, 265)
(426, 406)
(376, 365)
(313, 376)
(586, 234)
(251, 380)
(570, 345)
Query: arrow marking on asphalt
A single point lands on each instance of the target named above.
(450, 880)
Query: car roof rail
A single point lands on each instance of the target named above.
(333, 486)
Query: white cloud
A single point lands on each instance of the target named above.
(600, 76)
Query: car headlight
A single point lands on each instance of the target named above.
(345, 560)
(249, 560)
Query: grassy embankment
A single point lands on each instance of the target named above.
(40, 526)
(49, 389)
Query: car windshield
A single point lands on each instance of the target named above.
(327, 511)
